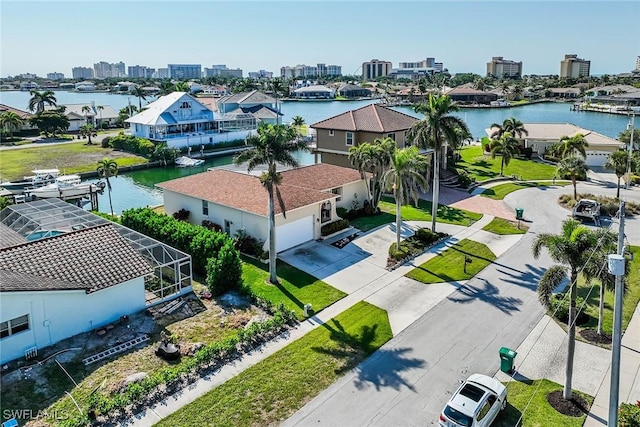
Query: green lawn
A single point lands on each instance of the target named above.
(500, 191)
(274, 389)
(482, 167)
(504, 227)
(448, 266)
(538, 413)
(446, 214)
(296, 287)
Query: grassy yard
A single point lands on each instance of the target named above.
(296, 287)
(538, 413)
(72, 157)
(504, 227)
(274, 389)
(500, 191)
(448, 266)
(482, 167)
(446, 214)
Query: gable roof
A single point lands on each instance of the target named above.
(320, 177)
(23, 114)
(107, 111)
(351, 87)
(156, 112)
(90, 259)
(253, 97)
(466, 90)
(259, 111)
(555, 131)
(370, 118)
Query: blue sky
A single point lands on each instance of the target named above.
(47, 36)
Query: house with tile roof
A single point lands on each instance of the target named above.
(24, 115)
(337, 134)
(60, 286)
(237, 200)
(348, 90)
(262, 106)
(467, 94)
(81, 114)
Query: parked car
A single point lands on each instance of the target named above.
(587, 209)
(476, 403)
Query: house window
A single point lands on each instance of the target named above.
(227, 226)
(331, 132)
(337, 191)
(325, 212)
(13, 326)
(349, 140)
(392, 136)
(205, 207)
(185, 104)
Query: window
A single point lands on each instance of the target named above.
(331, 132)
(325, 212)
(484, 411)
(349, 140)
(205, 207)
(227, 226)
(13, 326)
(337, 191)
(392, 136)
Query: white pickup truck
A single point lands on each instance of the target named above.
(476, 403)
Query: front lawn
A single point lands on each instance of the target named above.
(271, 391)
(500, 191)
(504, 227)
(529, 401)
(446, 214)
(296, 287)
(482, 167)
(448, 266)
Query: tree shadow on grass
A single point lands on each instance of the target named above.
(488, 293)
(510, 417)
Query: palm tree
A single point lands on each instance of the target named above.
(86, 110)
(572, 248)
(512, 125)
(507, 146)
(87, 131)
(406, 177)
(277, 87)
(373, 158)
(298, 120)
(572, 145)
(619, 162)
(139, 93)
(274, 144)
(106, 169)
(183, 87)
(438, 128)
(100, 108)
(573, 167)
(11, 122)
(166, 87)
(39, 99)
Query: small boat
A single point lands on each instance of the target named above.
(65, 186)
(39, 178)
(185, 161)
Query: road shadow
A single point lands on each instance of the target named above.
(387, 373)
(488, 293)
(529, 278)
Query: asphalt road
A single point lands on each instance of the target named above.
(408, 381)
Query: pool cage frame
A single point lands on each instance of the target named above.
(172, 272)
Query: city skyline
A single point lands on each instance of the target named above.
(467, 36)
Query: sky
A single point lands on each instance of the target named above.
(53, 36)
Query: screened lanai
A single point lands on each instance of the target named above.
(50, 217)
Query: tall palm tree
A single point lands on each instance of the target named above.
(406, 177)
(86, 110)
(375, 159)
(106, 169)
(573, 167)
(100, 108)
(183, 87)
(11, 122)
(298, 120)
(512, 125)
(39, 99)
(139, 93)
(507, 146)
(88, 131)
(618, 161)
(277, 87)
(573, 249)
(273, 145)
(166, 87)
(438, 128)
(573, 145)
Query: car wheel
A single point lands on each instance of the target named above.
(504, 404)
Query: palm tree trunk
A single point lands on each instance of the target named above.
(618, 192)
(273, 277)
(502, 166)
(436, 189)
(567, 392)
(601, 309)
(398, 219)
(575, 189)
(110, 203)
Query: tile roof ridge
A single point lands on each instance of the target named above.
(57, 236)
(376, 113)
(353, 119)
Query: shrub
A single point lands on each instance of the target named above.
(181, 215)
(464, 180)
(527, 152)
(210, 225)
(247, 244)
(342, 212)
(629, 415)
(224, 272)
(104, 125)
(427, 237)
(560, 308)
(399, 254)
(333, 227)
(106, 142)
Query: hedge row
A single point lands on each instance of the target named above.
(132, 144)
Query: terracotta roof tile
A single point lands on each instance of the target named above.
(23, 114)
(91, 259)
(370, 118)
(8, 237)
(321, 176)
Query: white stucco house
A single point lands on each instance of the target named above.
(237, 200)
(180, 120)
(89, 113)
(542, 135)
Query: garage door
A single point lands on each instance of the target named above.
(597, 158)
(294, 233)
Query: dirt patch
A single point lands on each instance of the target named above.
(575, 407)
(593, 336)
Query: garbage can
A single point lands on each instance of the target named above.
(507, 357)
(519, 213)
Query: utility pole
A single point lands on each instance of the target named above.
(630, 126)
(614, 390)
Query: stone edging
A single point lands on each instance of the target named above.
(411, 257)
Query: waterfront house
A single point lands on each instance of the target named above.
(542, 135)
(236, 200)
(353, 91)
(466, 94)
(337, 134)
(313, 92)
(85, 86)
(82, 114)
(25, 86)
(260, 105)
(24, 115)
(180, 120)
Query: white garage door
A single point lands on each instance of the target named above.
(597, 158)
(294, 233)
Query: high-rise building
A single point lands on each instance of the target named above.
(262, 74)
(638, 63)
(55, 76)
(375, 68)
(185, 71)
(137, 71)
(223, 71)
(104, 69)
(82, 72)
(572, 66)
(500, 67)
(304, 71)
(161, 73)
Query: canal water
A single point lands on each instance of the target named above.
(135, 189)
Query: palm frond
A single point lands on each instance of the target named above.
(550, 280)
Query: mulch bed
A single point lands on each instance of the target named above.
(592, 335)
(575, 407)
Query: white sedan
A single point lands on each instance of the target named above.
(476, 403)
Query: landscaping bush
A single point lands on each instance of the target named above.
(106, 142)
(464, 179)
(560, 309)
(211, 225)
(333, 227)
(427, 237)
(629, 415)
(527, 152)
(342, 213)
(132, 144)
(247, 244)
(224, 273)
(414, 245)
(181, 215)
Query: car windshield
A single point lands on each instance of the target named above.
(457, 416)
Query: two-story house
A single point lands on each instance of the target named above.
(337, 134)
(260, 105)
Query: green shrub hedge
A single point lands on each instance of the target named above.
(414, 245)
(629, 415)
(333, 227)
(132, 144)
(560, 308)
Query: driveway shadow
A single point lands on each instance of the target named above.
(488, 293)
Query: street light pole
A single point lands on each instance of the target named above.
(630, 150)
